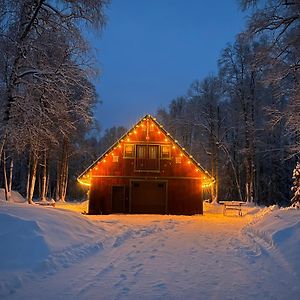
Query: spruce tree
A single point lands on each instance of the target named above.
(296, 186)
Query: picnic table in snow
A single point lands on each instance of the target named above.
(233, 205)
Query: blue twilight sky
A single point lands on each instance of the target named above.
(152, 50)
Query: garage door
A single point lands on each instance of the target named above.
(148, 197)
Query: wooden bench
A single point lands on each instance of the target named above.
(45, 203)
(232, 205)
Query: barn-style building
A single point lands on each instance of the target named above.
(146, 172)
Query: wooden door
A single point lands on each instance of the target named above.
(118, 199)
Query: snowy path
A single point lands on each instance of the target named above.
(162, 257)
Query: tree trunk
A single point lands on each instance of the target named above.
(250, 145)
(64, 172)
(11, 167)
(32, 177)
(28, 176)
(6, 191)
(2, 146)
(236, 179)
(65, 183)
(48, 189)
(44, 177)
(58, 172)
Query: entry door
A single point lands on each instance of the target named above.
(118, 199)
(148, 197)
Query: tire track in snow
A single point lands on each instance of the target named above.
(123, 255)
(172, 258)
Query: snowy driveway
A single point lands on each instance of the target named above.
(163, 257)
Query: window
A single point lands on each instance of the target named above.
(115, 158)
(129, 151)
(178, 160)
(153, 152)
(141, 151)
(147, 157)
(165, 152)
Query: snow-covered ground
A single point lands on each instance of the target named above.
(53, 253)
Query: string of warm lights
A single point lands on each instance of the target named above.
(84, 177)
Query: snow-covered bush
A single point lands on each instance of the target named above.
(296, 186)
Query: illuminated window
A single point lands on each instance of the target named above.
(115, 158)
(129, 151)
(147, 157)
(178, 160)
(153, 152)
(141, 151)
(165, 152)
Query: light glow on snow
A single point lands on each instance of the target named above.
(52, 253)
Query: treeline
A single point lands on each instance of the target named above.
(243, 124)
(46, 94)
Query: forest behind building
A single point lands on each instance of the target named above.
(241, 123)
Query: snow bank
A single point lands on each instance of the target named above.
(15, 196)
(35, 238)
(278, 230)
(55, 253)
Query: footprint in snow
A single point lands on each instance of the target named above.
(130, 258)
(159, 285)
(120, 282)
(137, 269)
(105, 270)
(136, 266)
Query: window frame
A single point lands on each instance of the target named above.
(133, 151)
(137, 160)
(169, 152)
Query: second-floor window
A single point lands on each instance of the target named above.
(165, 151)
(147, 157)
(129, 151)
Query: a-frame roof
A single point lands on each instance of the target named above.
(125, 135)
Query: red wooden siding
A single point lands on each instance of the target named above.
(149, 155)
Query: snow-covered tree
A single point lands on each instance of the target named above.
(240, 78)
(46, 69)
(278, 22)
(296, 186)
